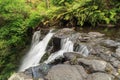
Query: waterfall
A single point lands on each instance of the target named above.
(35, 38)
(38, 48)
(66, 46)
(36, 52)
(82, 49)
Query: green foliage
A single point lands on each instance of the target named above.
(61, 2)
(18, 16)
(15, 18)
(90, 11)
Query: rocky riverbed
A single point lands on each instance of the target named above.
(95, 57)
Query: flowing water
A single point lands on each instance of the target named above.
(35, 38)
(37, 51)
(82, 49)
(66, 46)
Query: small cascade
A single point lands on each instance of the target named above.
(37, 51)
(35, 38)
(82, 49)
(66, 46)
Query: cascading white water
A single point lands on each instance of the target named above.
(37, 51)
(66, 46)
(82, 49)
(35, 38)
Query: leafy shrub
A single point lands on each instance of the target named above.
(90, 11)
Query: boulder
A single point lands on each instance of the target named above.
(115, 62)
(72, 55)
(95, 34)
(38, 71)
(100, 76)
(20, 76)
(109, 43)
(64, 33)
(111, 70)
(105, 57)
(118, 52)
(94, 65)
(66, 72)
(80, 37)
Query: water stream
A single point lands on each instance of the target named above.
(38, 48)
(66, 46)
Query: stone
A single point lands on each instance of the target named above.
(95, 34)
(95, 65)
(115, 62)
(118, 52)
(114, 55)
(64, 33)
(40, 79)
(105, 57)
(81, 71)
(38, 71)
(71, 55)
(80, 37)
(20, 76)
(100, 76)
(109, 43)
(66, 72)
(111, 70)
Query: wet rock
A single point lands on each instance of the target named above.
(118, 52)
(37, 71)
(64, 33)
(94, 65)
(20, 76)
(96, 50)
(115, 55)
(111, 70)
(95, 34)
(109, 43)
(72, 55)
(115, 62)
(100, 76)
(66, 72)
(75, 37)
(80, 37)
(105, 57)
